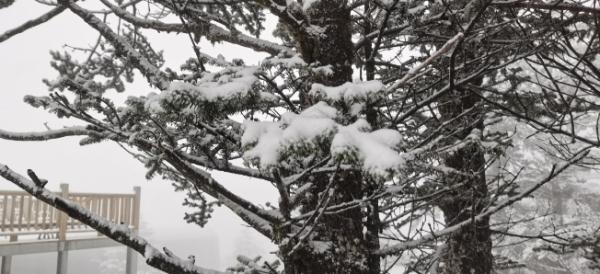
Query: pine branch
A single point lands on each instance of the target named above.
(154, 75)
(258, 218)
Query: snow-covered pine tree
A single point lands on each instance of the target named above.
(368, 117)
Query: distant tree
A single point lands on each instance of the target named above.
(372, 119)
(564, 207)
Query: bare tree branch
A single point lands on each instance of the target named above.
(31, 23)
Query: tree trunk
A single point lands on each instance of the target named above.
(469, 249)
(337, 244)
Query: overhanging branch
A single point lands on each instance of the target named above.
(209, 30)
(121, 234)
(48, 135)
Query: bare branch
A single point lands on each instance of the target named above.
(32, 23)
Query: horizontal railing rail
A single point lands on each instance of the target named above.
(21, 213)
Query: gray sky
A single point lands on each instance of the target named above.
(24, 61)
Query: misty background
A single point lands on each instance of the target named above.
(105, 167)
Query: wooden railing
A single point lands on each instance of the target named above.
(21, 213)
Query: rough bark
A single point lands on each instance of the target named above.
(467, 250)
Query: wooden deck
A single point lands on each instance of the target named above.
(31, 226)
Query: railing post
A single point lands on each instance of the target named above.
(63, 255)
(62, 217)
(62, 261)
(131, 263)
(7, 260)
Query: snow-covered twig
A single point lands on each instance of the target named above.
(47, 135)
(154, 75)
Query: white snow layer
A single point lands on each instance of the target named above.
(349, 92)
(288, 62)
(269, 138)
(231, 83)
(375, 150)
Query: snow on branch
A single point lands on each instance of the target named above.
(268, 143)
(376, 150)
(266, 140)
(154, 75)
(394, 249)
(48, 135)
(122, 234)
(231, 83)
(348, 92)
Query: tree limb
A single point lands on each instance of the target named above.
(154, 75)
(544, 6)
(121, 234)
(31, 23)
(48, 135)
(209, 30)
